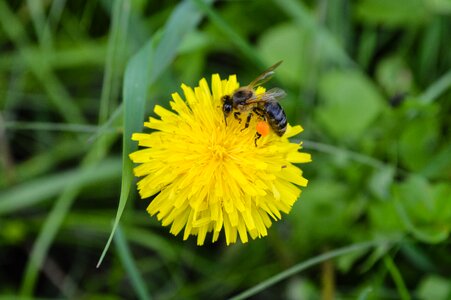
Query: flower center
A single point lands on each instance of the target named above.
(218, 151)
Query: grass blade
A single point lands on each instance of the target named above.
(142, 71)
(305, 265)
(55, 218)
(115, 52)
(35, 191)
(37, 62)
(129, 263)
(61, 208)
(436, 89)
(47, 126)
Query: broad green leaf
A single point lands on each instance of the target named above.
(384, 220)
(434, 287)
(424, 209)
(349, 104)
(286, 42)
(419, 141)
(323, 213)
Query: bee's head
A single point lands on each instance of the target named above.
(227, 106)
(242, 95)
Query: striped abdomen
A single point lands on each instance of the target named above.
(276, 117)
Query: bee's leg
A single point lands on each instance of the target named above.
(248, 120)
(236, 115)
(259, 112)
(257, 136)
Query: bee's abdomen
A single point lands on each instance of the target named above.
(276, 117)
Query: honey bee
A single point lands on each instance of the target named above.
(265, 106)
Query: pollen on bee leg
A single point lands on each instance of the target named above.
(262, 128)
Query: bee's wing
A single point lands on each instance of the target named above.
(265, 76)
(272, 95)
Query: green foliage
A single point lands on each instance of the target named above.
(434, 287)
(394, 13)
(287, 41)
(350, 104)
(370, 82)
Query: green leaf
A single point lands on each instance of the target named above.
(424, 209)
(286, 42)
(321, 214)
(350, 103)
(141, 73)
(419, 140)
(434, 287)
(384, 220)
(381, 180)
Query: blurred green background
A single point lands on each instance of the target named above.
(369, 81)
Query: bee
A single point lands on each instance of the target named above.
(265, 106)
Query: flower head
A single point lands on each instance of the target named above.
(207, 176)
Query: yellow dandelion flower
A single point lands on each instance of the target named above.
(207, 176)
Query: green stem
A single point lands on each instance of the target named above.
(397, 278)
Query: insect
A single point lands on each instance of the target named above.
(265, 105)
